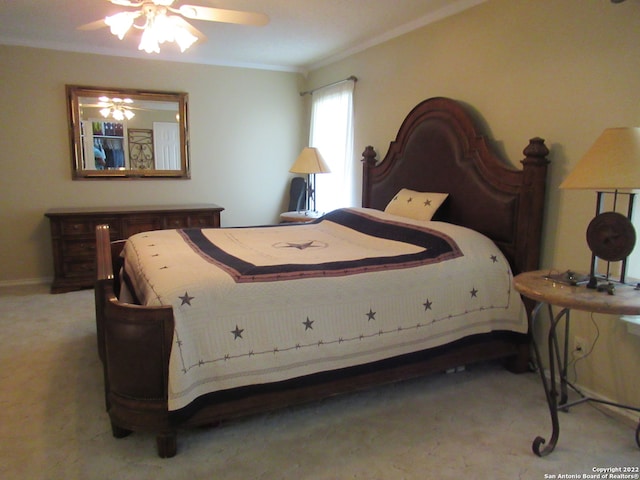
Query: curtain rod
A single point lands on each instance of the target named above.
(348, 79)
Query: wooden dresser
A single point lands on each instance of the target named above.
(74, 239)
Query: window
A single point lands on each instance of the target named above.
(633, 265)
(332, 134)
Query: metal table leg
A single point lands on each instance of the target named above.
(558, 365)
(540, 446)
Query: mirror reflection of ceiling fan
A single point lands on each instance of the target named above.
(161, 21)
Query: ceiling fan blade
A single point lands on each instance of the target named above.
(190, 28)
(210, 14)
(93, 25)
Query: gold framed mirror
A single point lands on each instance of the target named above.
(126, 133)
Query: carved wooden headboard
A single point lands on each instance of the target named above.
(439, 149)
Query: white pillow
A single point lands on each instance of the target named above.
(416, 205)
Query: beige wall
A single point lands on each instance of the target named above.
(245, 129)
(563, 70)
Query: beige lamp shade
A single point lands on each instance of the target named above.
(612, 162)
(310, 161)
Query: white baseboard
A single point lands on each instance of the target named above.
(633, 323)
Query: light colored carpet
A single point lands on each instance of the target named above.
(476, 424)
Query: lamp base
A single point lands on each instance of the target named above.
(608, 287)
(593, 282)
(611, 236)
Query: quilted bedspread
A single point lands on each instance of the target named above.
(265, 304)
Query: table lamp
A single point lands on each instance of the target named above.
(310, 162)
(610, 167)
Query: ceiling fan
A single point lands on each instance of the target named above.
(161, 21)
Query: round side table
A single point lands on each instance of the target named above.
(541, 287)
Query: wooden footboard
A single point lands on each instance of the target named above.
(134, 343)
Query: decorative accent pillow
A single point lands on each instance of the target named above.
(415, 205)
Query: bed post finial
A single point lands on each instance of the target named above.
(536, 152)
(368, 162)
(531, 207)
(369, 156)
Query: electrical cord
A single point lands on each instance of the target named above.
(575, 359)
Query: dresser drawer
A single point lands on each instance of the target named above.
(85, 268)
(176, 221)
(138, 224)
(204, 220)
(75, 227)
(72, 248)
(193, 220)
(86, 227)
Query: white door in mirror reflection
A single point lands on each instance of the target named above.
(166, 140)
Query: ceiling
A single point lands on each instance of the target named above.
(301, 34)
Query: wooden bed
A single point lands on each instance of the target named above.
(438, 149)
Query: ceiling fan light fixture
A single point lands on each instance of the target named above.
(116, 108)
(120, 23)
(161, 28)
(184, 38)
(149, 42)
(118, 114)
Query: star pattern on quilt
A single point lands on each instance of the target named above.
(427, 202)
(301, 245)
(237, 333)
(427, 305)
(186, 299)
